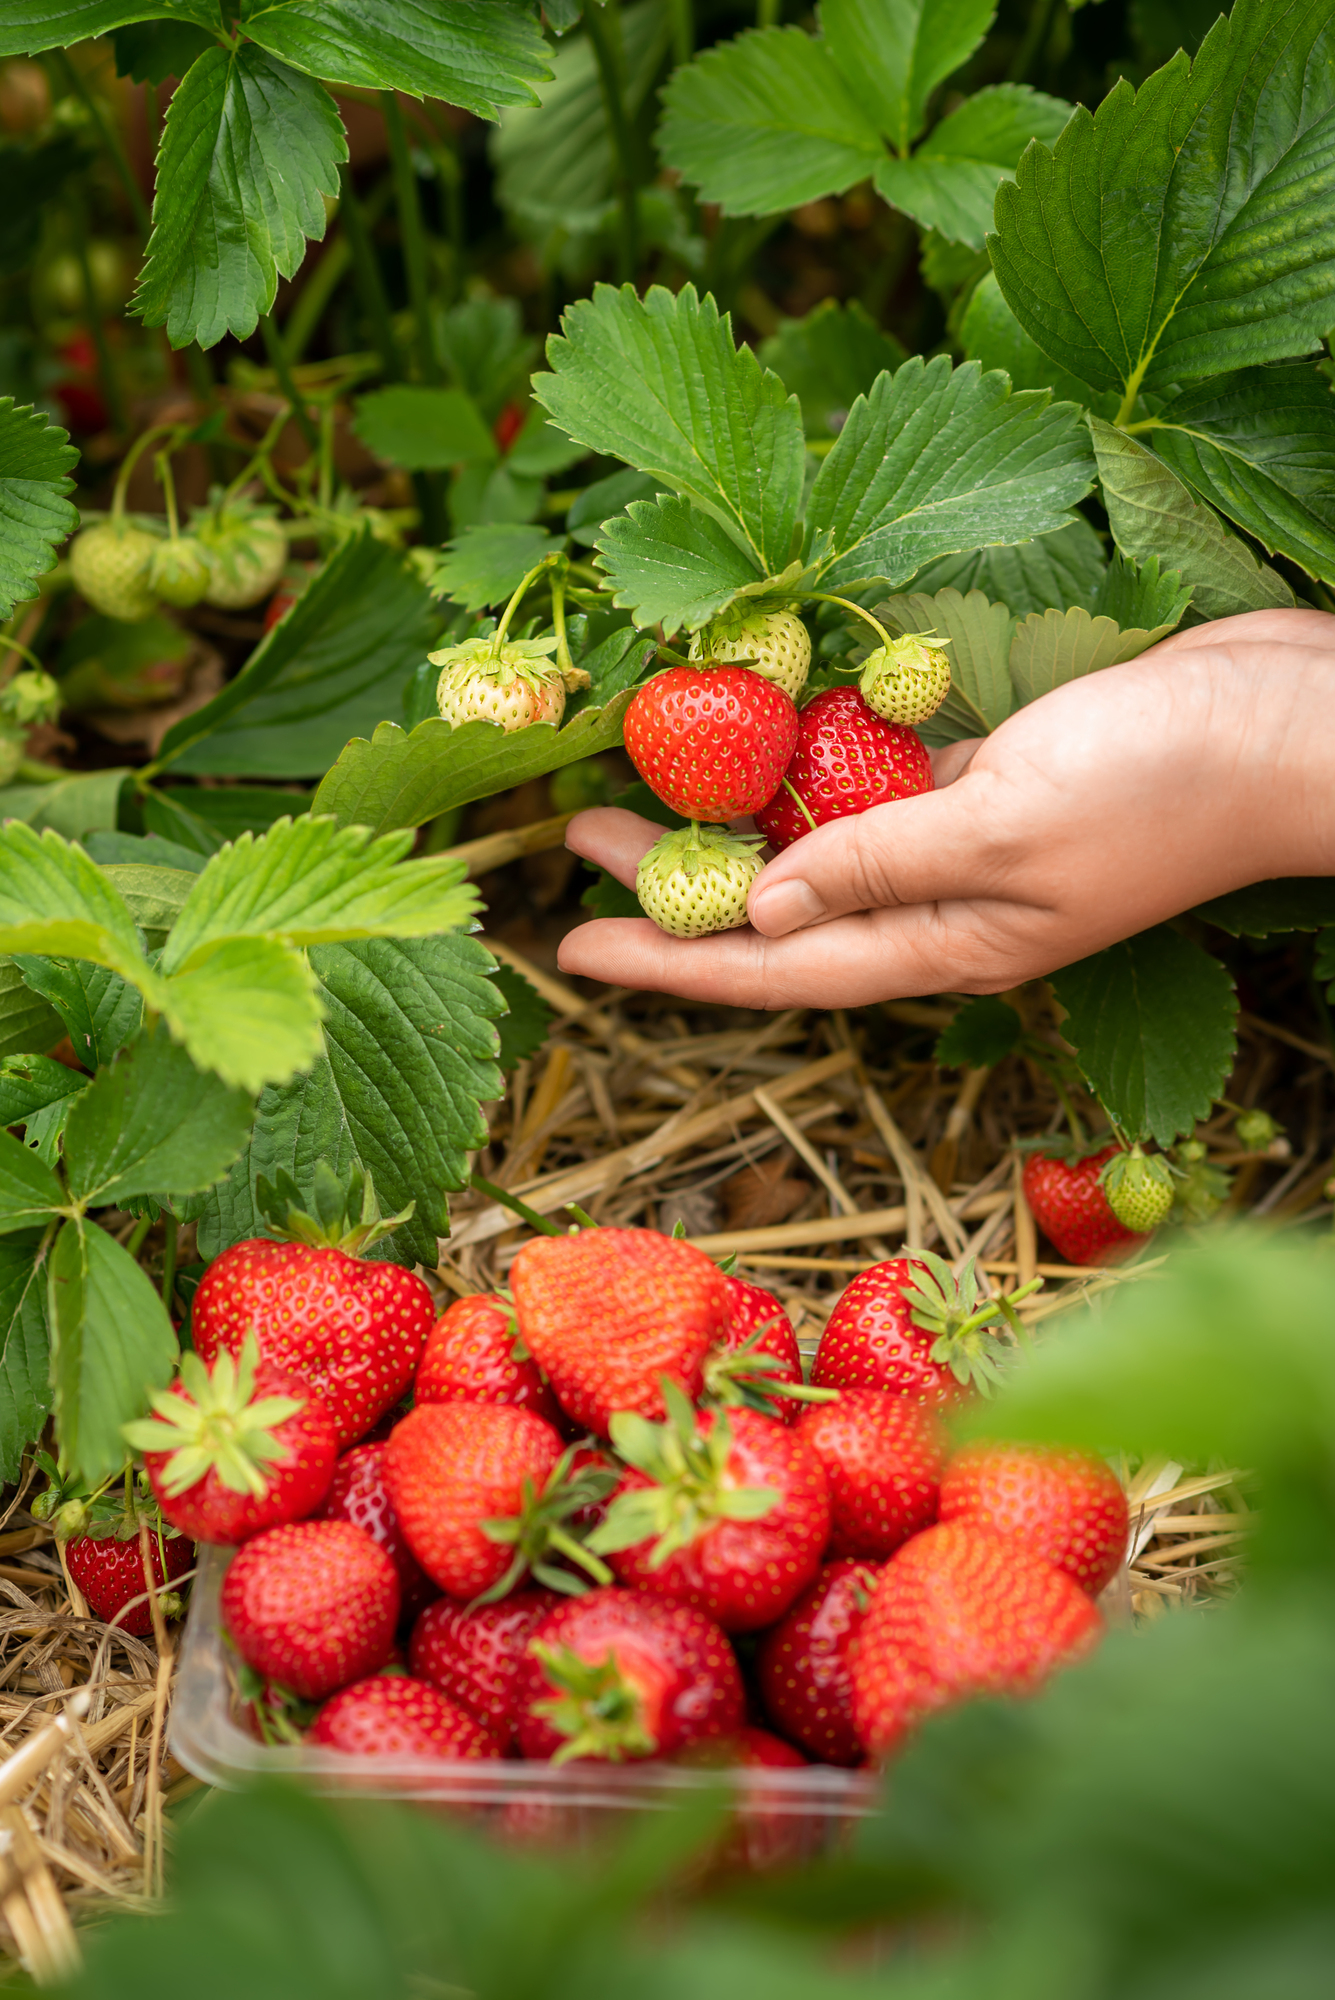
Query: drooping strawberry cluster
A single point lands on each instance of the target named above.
(717, 741)
(606, 1479)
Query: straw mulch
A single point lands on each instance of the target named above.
(809, 1146)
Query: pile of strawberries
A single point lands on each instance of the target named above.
(615, 1523)
(718, 741)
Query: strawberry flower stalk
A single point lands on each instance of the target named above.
(179, 572)
(965, 1327)
(508, 681)
(905, 679)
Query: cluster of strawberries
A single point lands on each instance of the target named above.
(615, 1522)
(719, 741)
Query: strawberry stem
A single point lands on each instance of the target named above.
(499, 635)
(794, 794)
(825, 597)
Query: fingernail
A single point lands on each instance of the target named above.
(785, 906)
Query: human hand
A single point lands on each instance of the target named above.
(1107, 806)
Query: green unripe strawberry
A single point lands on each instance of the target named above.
(110, 565)
(774, 644)
(512, 684)
(906, 681)
(179, 573)
(1257, 1132)
(30, 697)
(246, 550)
(695, 880)
(1202, 1188)
(1139, 1189)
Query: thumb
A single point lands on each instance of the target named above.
(918, 850)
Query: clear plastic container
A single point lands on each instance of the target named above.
(782, 1815)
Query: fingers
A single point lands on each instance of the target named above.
(952, 760)
(613, 838)
(1298, 626)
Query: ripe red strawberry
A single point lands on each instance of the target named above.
(725, 1510)
(110, 1572)
(312, 1605)
(758, 1356)
(474, 1355)
(353, 1330)
(1072, 1210)
(1066, 1506)
(608, 1313)
(474, 1656)
(359, 1492)
(961, 1611)
(883, 1456)
(237, 1448)
(909, 1325)
(621, 1674)
(803, 1666)
(393, 1716)
(482, 1492)
(762, 1831)
(845, 761)
(711, 742)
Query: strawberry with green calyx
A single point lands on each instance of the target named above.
(484, 1493)
(1258, 1132)
(506, 681)
(906, 680)
(110, 563)
(1063, 1188)
(758, 1365)
(474, 1354)
(31, 696)
(695, 880)
(774, 644)
(910, 1326)
(1139, 1188)
(235, 1449)
(725, 1510)
(619, 1674)
(845, 760)
(312, 1605)
(352, 1329)
(1200, 1188)
(109, 1571)
(392, 1715)
(245, 548)
(473, 1653)
(962, 1612)
(607, 1313)
(711, 742)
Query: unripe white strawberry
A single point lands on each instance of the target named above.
(512, 684)
(1139, 1189)
(774, 644)
(246, 550)
(110, 565)
(179, 573)
(695, 880)
(906, 681)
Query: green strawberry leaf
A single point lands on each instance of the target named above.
(980, 636)
(894, 53)
(605, 498)
(423, 429)
(25, 1351)
(336, 665)
(158, 50)
(668, 562)
(310, 881)
(150, 1121)
(97, 1008)
(829, 359)
(474, 53)
(659, 383)
(524, 1026)
(32, 1083)
(991, 334)
(409, 1055)
(1051, 648)
(1186, 227)
(247, 1009)
(1297, 903)
(555, 169)
(32, 25)
(765, 123)
(404, 779)
(939, 459)
(484, 565)
(1260, 446)
(77, 805)
(1152, 513)
(29, 1190)
(1138, 594)
(249, 150)
(26, 1021)
(111, 1343)
(54, 899)
(981, 1033)
(1152, 1023)
(35, 516)
(950, 183)
(1062, 569)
